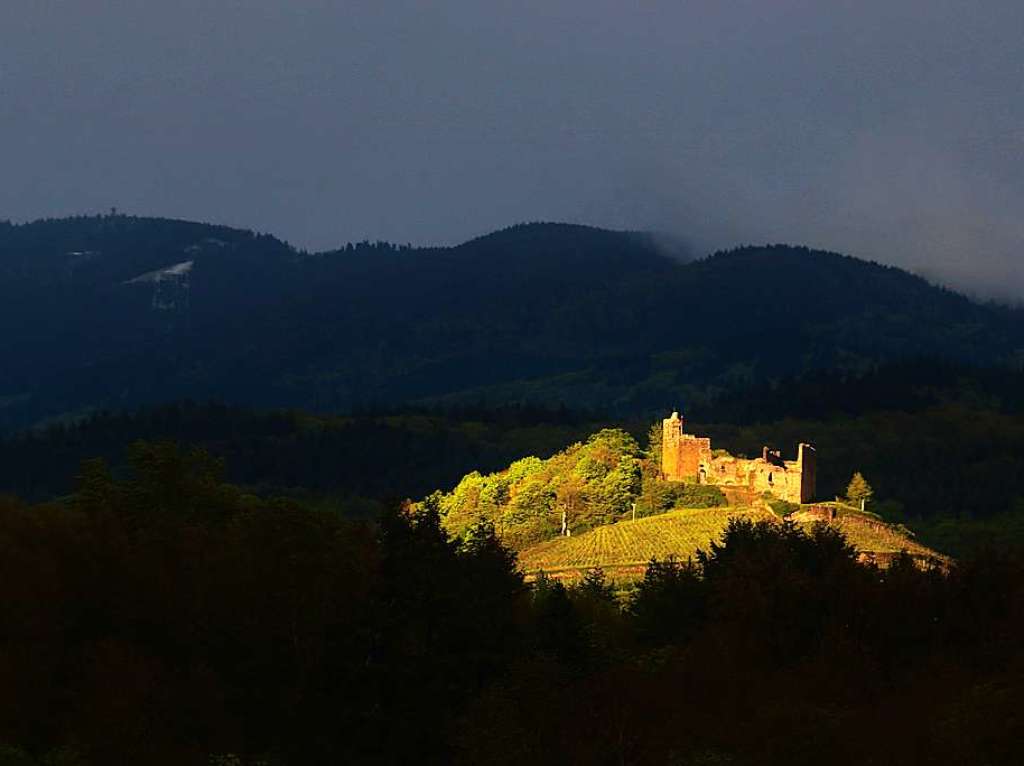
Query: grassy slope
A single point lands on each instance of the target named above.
(623, 549)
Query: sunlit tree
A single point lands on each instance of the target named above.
(858, 491)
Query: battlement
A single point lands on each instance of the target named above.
(686, 457)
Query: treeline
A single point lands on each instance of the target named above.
(168, 617)
(911, 385)
(942, 445)
(544, 313)
(363, 458)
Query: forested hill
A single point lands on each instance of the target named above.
(116, 311)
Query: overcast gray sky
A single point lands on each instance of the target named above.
(888, 129)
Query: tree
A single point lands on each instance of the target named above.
(571, 499)
(653, 461)
(595, 587)
(859, 491)
(557, 628)
(602, 620)
(668, 604)
(617, 490)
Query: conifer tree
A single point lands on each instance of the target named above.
(859, 492)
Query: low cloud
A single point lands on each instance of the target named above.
(887, 129)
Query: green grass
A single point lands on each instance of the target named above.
(623, 549)
(868, 533)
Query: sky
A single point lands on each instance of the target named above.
(887, 129)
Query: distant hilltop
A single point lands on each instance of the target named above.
(688, 457)
(115, 312)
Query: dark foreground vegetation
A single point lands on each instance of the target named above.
(166, 617)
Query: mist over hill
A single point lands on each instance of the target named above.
(116, 311)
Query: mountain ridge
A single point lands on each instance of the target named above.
(540, 312)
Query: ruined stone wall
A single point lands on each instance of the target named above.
(760, 475)
(685, 456)
(782, 481)
(727, 470)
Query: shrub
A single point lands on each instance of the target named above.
(782, 508)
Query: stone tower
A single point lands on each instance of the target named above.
(807, 462)
(683, 455)
(671, 435)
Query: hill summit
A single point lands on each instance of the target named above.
(608, 503)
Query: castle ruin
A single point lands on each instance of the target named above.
(685, 457)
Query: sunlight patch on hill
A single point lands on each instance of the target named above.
(625, 548)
